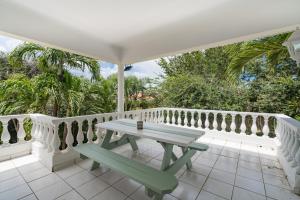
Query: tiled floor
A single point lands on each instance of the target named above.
(229, 170)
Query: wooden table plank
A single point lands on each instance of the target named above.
(148, 133)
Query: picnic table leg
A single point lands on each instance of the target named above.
(105, 144)
(174, 157)
(167, 156)
(189, 162)
(133, 144)
(150, 194)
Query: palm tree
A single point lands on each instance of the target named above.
(243, 53)
(54, 61)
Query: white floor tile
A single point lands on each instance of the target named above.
(11, 183)
(273, 171)
(241, 194)
(111, 194)
(6, 165)
(201, 169)
(69, 171)
(53, 191)
(92, 188)
(250, 184)
(84, 163)
(140, 194)
(30, 167)
(249, 158)
(4, 175)
(79, 179)
(33, 175)
(154, 163)
(231, 154)
(270, 163)
(250, 165)
(276, 181)
(208, 196)
(205, 161)
(127, 186)
(248, 173)
(73, 195)
(111, 177)
(185, 191)
(223, 176)
(16, 193)
(29, 197)
(280, 193)
(24, 160)
(193, 178)
(99, 171)
(43, 182)
(219, 188)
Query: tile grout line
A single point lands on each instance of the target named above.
(237, 165)
(25, 182)
(201, 189)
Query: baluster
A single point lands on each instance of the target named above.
(55, 140)
(266, 129)
(69, 138)
(185, 120)
(294, 150)
(215, 122)
(206, 121)
(5, 137)
(79, 137)
(90, 132)
(50, 137)
(223, 124)
(39, 131)
(21, 131)
(33, 128)
(233, 125)
(173, 117)
(254, 126)
(167, 117)
(243, 124)
(192, 119)
(288, 141)
(44, 135)
(297, 156)
(157, 117)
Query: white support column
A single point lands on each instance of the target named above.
(120, 90)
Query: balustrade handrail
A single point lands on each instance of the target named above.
(222, 111)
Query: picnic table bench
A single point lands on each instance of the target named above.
(157, 182)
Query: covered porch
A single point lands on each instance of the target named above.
(251, 155)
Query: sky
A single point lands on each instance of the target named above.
(142, 69)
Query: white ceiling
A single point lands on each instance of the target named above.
(128, 31)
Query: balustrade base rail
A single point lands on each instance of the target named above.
(52, 139)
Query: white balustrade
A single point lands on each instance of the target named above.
(45, 129)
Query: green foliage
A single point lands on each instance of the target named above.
(193, 91)
(268, 80)
(16, 95)
(270, 47)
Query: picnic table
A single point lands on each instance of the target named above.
(157, 182)
(168, 136)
